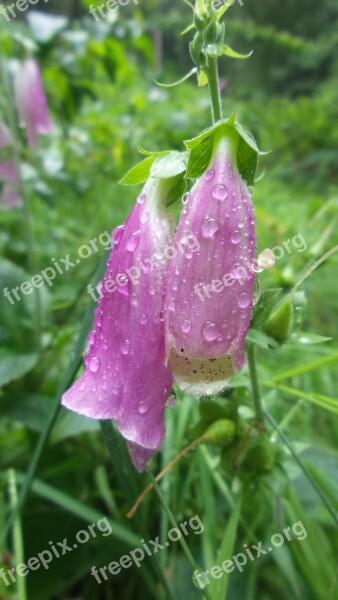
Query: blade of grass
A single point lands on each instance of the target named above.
(18, 546)
(306, 472)
(219, 588)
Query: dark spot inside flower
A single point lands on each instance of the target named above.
(182, 349)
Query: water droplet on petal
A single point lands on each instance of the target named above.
(125, 347)
(133, 241)
(141, 199)
(144, 319)
(94, 364)
(144, 218)
(185, 198)
(210, 332)
(117, 234)
(244, 300)
(186, 326)
(220, 192)
(210, 175)
(172, 304)
(209, 227)
(94, 388)
(235, 237)
(142, 407)
(82, 387)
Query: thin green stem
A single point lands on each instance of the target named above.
(17, 535)
(173, 521)
(256, 395)
(302, 466)
(26, 208)
(213, 80)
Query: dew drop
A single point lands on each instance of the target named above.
(243, 300)
(210, 332)
(185, 198)
(82, 387)
(94, 364)
(94, 388)
(210, 175)
(142, 407)
(141, 199)
(125, 347)
(235, 237)
(220, 192)
(209, 227)
(172, 304)
(133, 241)
(117, 234)
(144, 218)
(186, 326)
(144, 319)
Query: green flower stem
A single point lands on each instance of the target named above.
(26, 208)
(256, 395)
(213, 80)
(173, 521)
(18, 547)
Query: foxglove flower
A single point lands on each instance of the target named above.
(31, 101)
(210, 292)
(9, 180)
(126, 377)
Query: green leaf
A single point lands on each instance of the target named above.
(218, 589)
(13, 366)
(179, 81)
(221, 11)
(177, 191)
(227, 51)
(301, 337)
(201, 9)
(187, 29)
(155, 153)
(139, 173)
(166, 167)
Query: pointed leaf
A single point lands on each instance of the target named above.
(139, 173)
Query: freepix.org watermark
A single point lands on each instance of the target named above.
(11, 11)
(60, 266)
(107, 8)
(240, 271)
(56, 550)
(238, 561)
(188, 244)
(136, 556)
(217, 4)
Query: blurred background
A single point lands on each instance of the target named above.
(99, 80)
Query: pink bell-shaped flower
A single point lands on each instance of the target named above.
(9, 180)
(209, 296)
(126, 377)
(31, 101)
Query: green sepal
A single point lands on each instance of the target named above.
(201, 149)
(179, 81)
(265, 306)
(162, 165)
(279, 324)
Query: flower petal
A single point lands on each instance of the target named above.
(210, 290)
(31, 101)
(126, 377)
